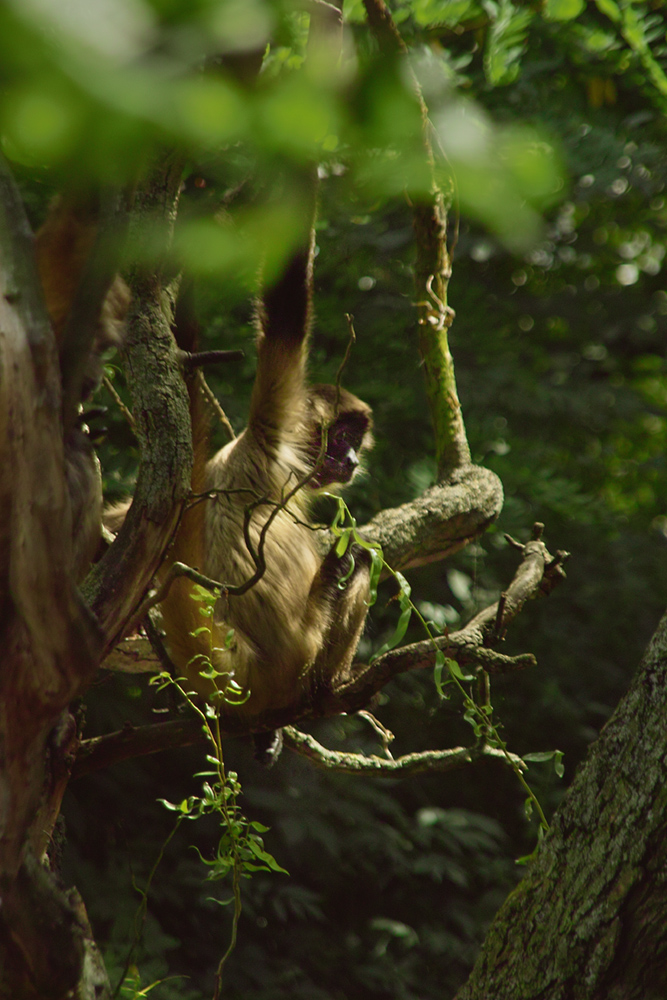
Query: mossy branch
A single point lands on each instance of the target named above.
(433, 269)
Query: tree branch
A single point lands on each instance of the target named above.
(537, 574)
(412, 763)
(441, 521)
(117, 584)
(433, 270)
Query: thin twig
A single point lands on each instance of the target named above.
(109, 386)
(214, 403)
(176, 570)
(200, 358)
(385, 734)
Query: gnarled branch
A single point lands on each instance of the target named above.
(411, 763)
(537, 574)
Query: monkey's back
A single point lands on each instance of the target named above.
(277, 630)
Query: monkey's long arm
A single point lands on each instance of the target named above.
(284, 320)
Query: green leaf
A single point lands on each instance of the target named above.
(405, 588)
(198, 656)
(609, 8)
(455, 669)
(558, 763)
(343, 543)
(171, 806)
(401, 629)
(377, 563)
(200, 593)
(354, 11)
(340, 512)
(268, 859)
(563, 10)
(429, 13)
(433, 627)
(542, 756)
(506, 43)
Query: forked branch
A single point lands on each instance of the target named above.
(537, 574)
(411, 763)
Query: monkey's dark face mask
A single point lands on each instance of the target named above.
(340, 460)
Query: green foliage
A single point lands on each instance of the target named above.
(552, 119)
(93, 92)
(563, 10)
(506, 41)
(428, 13)
(240, 851)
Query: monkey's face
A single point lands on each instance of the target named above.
(345, 440)
(349, 421)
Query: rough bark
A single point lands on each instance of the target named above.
(50, 643)
(117, 584)
(537, 574)
(445, 519)
(589, 920)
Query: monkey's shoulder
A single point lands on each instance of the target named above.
(250, 463)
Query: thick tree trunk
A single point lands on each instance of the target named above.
(589, 920)
(50, 643)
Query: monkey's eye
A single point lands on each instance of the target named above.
(340, 461)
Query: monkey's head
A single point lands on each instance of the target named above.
(349, 421)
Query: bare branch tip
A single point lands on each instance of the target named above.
(201, 358)
(513, 542)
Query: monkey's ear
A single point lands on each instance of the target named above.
(327, 403)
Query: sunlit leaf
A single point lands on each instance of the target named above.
(563, 10)
(377, 563)
(401, 629)
(506, 43)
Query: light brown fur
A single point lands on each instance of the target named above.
(294, 629)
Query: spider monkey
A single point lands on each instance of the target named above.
(296, 628)
(62, 247)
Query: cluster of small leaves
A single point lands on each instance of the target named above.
(633, 35)
(240, 843)
(231, 693)
(240, 851)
